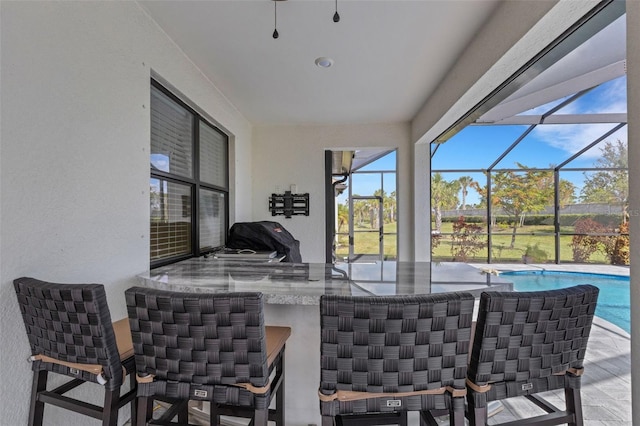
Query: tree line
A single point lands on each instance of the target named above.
(529, 190)
(366, 213)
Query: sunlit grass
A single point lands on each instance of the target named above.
(367, 241)
(530, 235)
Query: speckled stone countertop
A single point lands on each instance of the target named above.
(303, 284)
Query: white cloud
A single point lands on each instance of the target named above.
(613, 99)
(571, 138)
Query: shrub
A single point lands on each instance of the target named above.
(583, 246)
(534, 254)
(466, 240)
(616, 248)
(620, 253)
(436, 238)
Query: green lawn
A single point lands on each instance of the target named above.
(542, 235)
(368, 243)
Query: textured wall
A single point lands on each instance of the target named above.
(285, 155)
(75, 157)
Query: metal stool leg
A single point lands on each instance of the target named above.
(36, 411)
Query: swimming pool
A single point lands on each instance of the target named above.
(613, 300)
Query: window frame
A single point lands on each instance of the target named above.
(194, 183)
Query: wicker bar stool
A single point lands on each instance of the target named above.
(206, 347)
(70, 333)
(384, 356)
(527, 343)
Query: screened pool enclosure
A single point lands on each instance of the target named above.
(538, 172)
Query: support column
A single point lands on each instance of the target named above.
(633, 111)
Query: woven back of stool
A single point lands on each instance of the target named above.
(70, 323)
(198, 345)
(393, 344)
(524, 342)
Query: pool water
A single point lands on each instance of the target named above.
(613, 299)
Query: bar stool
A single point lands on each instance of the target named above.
(206, 347)
(384, 356)
(70, 333)
(526, 343)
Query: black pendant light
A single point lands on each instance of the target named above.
(336, 17)
(275, 19)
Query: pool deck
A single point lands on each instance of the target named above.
(588, 269)
(606, 385)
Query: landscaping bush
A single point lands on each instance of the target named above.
(615, 248)
(534, 254)
(466, 240)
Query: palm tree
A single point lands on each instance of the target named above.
(443, 195)
(343, 215)
(465, 182)
(391, 207)
(385, 203)
(359, 211)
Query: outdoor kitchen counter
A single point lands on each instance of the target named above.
(303, 284)
(292, 296)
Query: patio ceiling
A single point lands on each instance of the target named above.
(389, 55)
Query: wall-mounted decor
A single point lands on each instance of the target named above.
(289, 204)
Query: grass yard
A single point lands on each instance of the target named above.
(541, 235)
(367, 243)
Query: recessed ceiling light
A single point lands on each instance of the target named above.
(324, 62)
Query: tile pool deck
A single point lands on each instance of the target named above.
(606, 385)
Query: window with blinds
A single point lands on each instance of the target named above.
(189, 181)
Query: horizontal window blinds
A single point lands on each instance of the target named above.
(171, 136)
(213, 156)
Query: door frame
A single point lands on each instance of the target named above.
(352, 232)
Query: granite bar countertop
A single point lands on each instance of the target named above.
(303, 284)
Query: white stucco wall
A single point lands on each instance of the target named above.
(285, 155)
(75, 158)
(633, 129)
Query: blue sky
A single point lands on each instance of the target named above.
(366, 183)
(478, 147)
